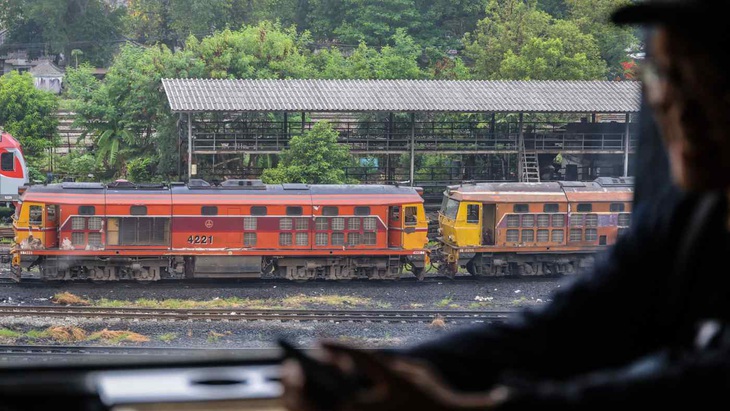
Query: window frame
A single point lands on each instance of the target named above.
(521, 208)
(209, 210)
(294, 211)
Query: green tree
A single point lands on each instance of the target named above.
(27, 113)
(92, 26)
(312, 158)
(592, 16)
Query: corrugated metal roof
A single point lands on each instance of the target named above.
(191, 95)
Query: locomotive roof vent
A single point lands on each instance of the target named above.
(241, 183)
(78, 186)
(197, 182)
(615, 181)
(295, 186)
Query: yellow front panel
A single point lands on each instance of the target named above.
(468, 224)
(415, 227)
(28, 225)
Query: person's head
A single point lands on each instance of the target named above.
(687, 83)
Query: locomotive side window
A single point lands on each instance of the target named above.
(362, 210)
(521, 208)
(320, 239)
(209, 210)
(558, 236)
(543, 221)
(285, 239)
(411, 215)
(591, 234)
(302, 238)
(87, 210)
(78, 223)
(585, 207)
(472, 214)
(36, 215)
(369, 238)
(528, 221)
(353, 224)
(576, 234)
(321, 224)
(551, 208)
(293, 211)
(138, 210)
(513, 221)
(8, 161)
(591, 220)
(302, 223)
(285, 224)
(249, 223)
(452, 207)
(617, 207)
(258, 210)
(395, 212)
(95, 223)
(624, 220)
(338, 223)
(543, 236)
(51, 213)
(338, 238)
(249, 239)
(528, 236)
(559, 220)
(513, 236)
(353, 239)
(330, 211)
(370, 224)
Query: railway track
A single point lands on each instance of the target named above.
(66, 350)
(233, 314)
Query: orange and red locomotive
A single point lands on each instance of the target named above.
(150, 232)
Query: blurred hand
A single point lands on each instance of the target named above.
(397, 384)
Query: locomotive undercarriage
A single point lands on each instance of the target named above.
(507, 264)
(512, 264)
(179, 267)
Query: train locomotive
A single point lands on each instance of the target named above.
(550, 228)
(13, 172)
(126, 231)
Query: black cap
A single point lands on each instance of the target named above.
(668, 11)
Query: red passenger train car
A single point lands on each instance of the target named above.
(147, 233)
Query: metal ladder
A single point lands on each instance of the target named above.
(530, 167)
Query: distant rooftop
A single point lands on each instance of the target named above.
(194, 95)
(46, 69)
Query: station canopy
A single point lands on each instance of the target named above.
(464, 96)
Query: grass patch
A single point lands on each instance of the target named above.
(520, 301)
(445, 302)
(8, 333)
(480, 304)
(167, 337)
(36, 334)
(66, 298)
(297, 301)
(66, 334)
(215, 336)
(117, 337)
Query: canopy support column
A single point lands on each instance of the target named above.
(627, 143)
(413, 147)
(190, 146)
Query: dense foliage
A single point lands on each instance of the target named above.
(127, 117)
(27, 113)
(313, 158)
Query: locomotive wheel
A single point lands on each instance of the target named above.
(143, 275)
(98, 274)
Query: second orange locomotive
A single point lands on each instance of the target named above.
(294, 231)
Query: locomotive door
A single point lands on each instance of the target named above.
(489, 213)
(51, 226)
(395, 227)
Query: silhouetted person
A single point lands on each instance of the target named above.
(648, 327)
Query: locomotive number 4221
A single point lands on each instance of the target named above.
(200, 239)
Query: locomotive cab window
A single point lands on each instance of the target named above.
(521, 208)
(293, 211)
(35, 215)
(472, 214)
(411, 215)
(8, 161)
(209, 210)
